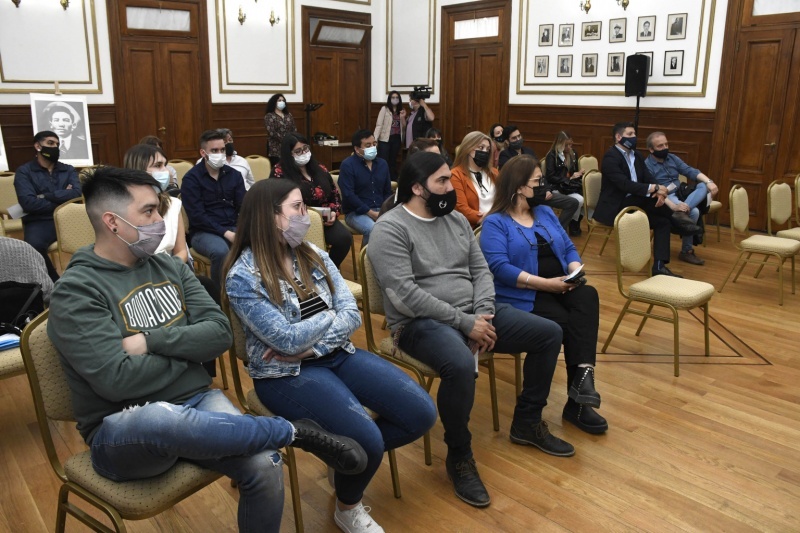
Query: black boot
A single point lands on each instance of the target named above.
(575, 228)
(538, 434)
(584, 417)
(581, 387)
(343, 454)
(466, 481)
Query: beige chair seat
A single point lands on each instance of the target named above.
(355, 288)
(764, 243)
(793, 233)
(679, 293)
(387, 345)
(11, 362)
(143, 498)
(12, 225)
(714, 207)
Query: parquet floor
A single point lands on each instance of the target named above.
(717, 449)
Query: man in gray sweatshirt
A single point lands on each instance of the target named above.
(439, 300)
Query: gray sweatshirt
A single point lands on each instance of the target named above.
(430, 268)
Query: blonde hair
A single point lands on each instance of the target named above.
(558, 146)
(470, 142)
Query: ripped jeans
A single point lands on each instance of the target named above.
(145, 441)
(331, 391)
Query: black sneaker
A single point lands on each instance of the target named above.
(466, 482)
(582, 387)
(585, 418)
(538, 434)
(664, 271)
(343, 454)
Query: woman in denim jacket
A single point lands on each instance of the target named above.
(298, 315)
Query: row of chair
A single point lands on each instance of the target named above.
(259, 164)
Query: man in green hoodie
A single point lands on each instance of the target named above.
(132, 329)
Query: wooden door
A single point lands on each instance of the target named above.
(757, 134)
(475, 83)
(161, 86)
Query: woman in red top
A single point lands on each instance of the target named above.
(473, 177)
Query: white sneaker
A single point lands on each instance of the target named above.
(356, 520)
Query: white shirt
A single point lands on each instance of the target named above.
(485, 193)
(171, 218)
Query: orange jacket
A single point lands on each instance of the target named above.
(467, 202)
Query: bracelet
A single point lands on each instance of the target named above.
(527, 280)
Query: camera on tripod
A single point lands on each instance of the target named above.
(423, 92)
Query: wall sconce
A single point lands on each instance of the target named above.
(65, 4)
(16, 2)
(624, 4)
(585, 6)
(273, 19)
(242, 16)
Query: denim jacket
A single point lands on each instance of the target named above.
(268, 325)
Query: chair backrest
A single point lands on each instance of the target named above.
(587, 162)
(592, 181)
(372, 297)
(8, 195)
(237, 351)
(797, 199)
(740, 211)
(633, 241)
(73, 229)
(543, 165)
(316, 233)
(779, 204)
(181, 167)
(260, 166)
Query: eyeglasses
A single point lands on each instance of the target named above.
(535, 245)
(298, 206)
(302, 150)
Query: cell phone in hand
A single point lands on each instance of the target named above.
(577, 278)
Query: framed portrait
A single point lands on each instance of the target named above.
(542, 66)
(590, 31)
(673, 63)
(3, 157)
(649, 61)
(589, 65)
(617, 29)
(545, 35)
(564, 66)
(676, 26)
(67, 117)
(565, 34)
(616, 64)
(646, 29)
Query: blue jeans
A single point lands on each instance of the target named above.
(693, 200)
(331, 391)
(145, 441)
(215, 248)
(445, 350)
(362, 224)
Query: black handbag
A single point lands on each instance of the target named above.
(21, 303)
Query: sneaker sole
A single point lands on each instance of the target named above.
(591, 401)
(517, 440)
(472, 503)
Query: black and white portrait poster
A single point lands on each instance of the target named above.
(3, 157)
(67, 117)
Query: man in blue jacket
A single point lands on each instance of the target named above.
(42, 185)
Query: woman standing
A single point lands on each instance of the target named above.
(389, 131)
(530, 255)
(278, 121)
(473, 176)
(298, 316)
(561, 173)
(498, 142)
(316, 185)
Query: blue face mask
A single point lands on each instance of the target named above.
(370, 153)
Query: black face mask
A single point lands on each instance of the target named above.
(661, 154)
(481, 158)
(441, 204)
(229, 149)
(51, 153)
(539, 196)
(499, 140)
(515, 145)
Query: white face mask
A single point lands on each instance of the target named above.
(395, 101)
(216, 161)
(302, 160)
(162, 178)
(281, 105)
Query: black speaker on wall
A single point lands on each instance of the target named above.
(636, 75)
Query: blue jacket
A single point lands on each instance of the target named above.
(509, 253)
(212, 205)
(364, 189)
(32, 179)
(268, 325)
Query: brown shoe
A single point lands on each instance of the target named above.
(689, 257)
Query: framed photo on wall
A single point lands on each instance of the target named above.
(590, 31)
(650, 60)
(545, 35)
(3, 156)
(616, 64)
(617, 30)
(646, 29)
(676, 26)
(589, 65)
(542, 66)
(564, 66)
(673, 63)
(68, 117)
(565, 34)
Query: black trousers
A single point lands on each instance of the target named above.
(660, 223)
(340, 240)
(388, 151)
(41, 234)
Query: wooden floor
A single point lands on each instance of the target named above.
(717, 449)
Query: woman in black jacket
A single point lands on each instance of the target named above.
(562, 175)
